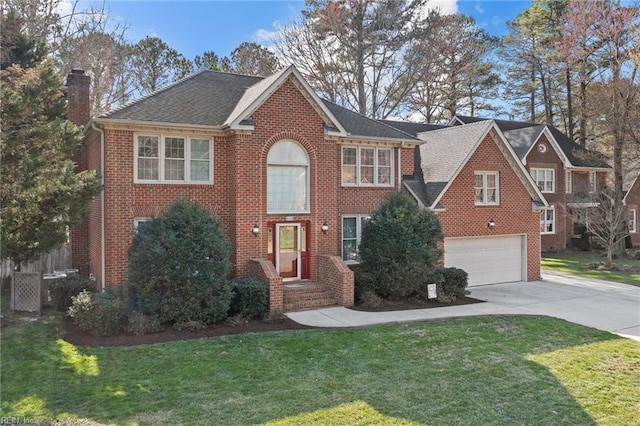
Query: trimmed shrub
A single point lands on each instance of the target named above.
(398, 250)
(62, 290)
(139, 324)
(370, 300)
(178, 265)
(101, 314)
(250, 297)
(455, 282)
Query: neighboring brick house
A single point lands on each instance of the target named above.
(292, 178)
(567, 174)
(632, 206)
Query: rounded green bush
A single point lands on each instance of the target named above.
(398, 249)
(178, 264)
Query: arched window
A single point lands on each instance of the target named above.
(287, 178)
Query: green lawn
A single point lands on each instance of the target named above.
(576, 264)
(474, 371)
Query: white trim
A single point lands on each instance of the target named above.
(593, 182)
(544, 170)
(272, 87)
(307, 188)
(543, 220)
(138, 220)
(624, 200)
(524, 174)
(376, 167)
(103, 267)
(358, 218)
(633, 219)
(568, 181)
(161, 159)
(554, 144)
(485, 187)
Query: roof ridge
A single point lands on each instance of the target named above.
(485, 122)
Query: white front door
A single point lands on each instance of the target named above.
(288, 251)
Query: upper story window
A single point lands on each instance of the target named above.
(364, 166)
(633, 221)
(545, 179)
(486, 188)
(568, 182)
(592, 182)
(351, 233)
(548, 221)
(173, 159)
(287, 178)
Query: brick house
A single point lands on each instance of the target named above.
(567, 174)
(292, 178)
(632, 207)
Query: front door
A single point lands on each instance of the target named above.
(288, 252)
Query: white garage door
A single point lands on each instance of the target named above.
(487, 260)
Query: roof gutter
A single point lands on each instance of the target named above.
(103, 268)
(116, 121)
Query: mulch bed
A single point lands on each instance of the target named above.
(74, 335)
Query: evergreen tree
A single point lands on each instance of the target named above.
(41, 195)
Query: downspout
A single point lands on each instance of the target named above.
(400, 167)
(103, 268)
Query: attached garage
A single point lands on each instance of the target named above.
(488, 260)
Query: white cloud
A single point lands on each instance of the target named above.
(265, 37)
(479, 9)
(446, 7)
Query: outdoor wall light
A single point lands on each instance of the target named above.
(491, 224)
(255, 230)
(324, 228)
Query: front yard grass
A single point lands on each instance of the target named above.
(473, 371)
(576, 263)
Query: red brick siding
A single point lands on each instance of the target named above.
(513, 216)
(633, 202)
(336, 275)
(558, 199)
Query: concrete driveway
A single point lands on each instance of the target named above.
(595, 303)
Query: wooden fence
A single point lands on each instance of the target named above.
(57, 260)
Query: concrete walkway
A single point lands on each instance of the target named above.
(595, 303)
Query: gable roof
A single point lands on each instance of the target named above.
(224, 100)
(523, 135)
(445, 153)
(635, 185)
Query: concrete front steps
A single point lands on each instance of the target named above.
(303, 295)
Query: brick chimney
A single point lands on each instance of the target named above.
(78, 103)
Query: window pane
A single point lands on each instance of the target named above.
(367, 165)
(384, 176)
(174, 148)
(348, 174)
(491, 181)
(174, 169)
(200, 171)
(349, 156)
(349, 250)
(479, 182)
(148, 146)
(349, 229)
(384, 158)
(199, 149)
(286, 188)
(147, 169)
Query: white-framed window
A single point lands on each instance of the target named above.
(287, 178)
(593, 182)
(486, 188)
(173, 159)
(351, 232)
(545, 179)
(140, 221)
(548, 221)
(633, 221)
(367, 166)
(568, 182)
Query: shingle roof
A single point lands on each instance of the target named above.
(521, 140)
(359, 125)
(413, 128)
(443, 154)
(205, 98)
(213, 98)
(520, 133)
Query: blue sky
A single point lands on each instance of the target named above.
(192, 27)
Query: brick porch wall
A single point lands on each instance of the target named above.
(336, 275)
